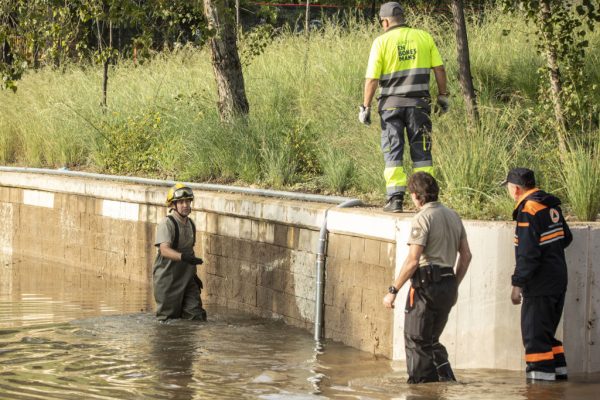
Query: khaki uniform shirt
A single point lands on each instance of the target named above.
(440, 230)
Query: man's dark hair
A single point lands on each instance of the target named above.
(424, 186)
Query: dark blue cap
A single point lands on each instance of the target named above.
(520, 176)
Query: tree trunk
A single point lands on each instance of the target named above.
(105, 69)
(374, 15)
(36, 53)
(105, 83)
(464, 62)
(7, 56)
(554, 75)
(306, 18)
(225, 60)
(237, 15)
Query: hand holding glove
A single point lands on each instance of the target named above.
(191, 258)
(443, 102)
(364, 115)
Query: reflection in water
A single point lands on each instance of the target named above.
(172, 353)
(40, 292)
(66, 334)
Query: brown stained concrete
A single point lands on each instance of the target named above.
(257, 257)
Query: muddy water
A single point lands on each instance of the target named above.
(68, 334)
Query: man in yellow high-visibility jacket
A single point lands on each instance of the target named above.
(400, 63)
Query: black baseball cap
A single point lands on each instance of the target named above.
(390, 9)
(520, 176)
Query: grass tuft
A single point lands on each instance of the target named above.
(581, 178)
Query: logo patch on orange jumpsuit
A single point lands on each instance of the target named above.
(554, 215)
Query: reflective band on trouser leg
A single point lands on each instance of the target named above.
(541, 375)
(561, 372)
(395, 179)
(540, 366)
(537, 357)
(423, 166)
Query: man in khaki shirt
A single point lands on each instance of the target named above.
(437, 235)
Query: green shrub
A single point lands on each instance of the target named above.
(132, 146)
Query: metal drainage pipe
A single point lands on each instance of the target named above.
(321, 258)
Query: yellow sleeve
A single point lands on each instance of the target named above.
(375, 65)
(436, 59)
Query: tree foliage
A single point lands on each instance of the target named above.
(561, 30)
(37, 33)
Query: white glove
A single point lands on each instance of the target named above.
(443, 103)
(364, 115)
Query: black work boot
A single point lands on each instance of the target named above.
(445, 373)
(394, 204)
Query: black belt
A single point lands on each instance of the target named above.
(446, 271)
(430, 273)
(443, 269)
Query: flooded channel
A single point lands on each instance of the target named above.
(69, 334)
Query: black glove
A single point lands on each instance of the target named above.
(191, 258)
(443, 103)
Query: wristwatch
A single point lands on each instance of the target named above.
(393, 290)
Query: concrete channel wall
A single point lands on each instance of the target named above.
(260, 256)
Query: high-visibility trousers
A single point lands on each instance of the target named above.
(417, 123)
(540, 316)
(425, 317)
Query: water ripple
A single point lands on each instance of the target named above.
(89, 340)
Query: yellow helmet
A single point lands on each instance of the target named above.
(179, 191)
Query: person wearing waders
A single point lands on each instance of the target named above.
(400, 64)
(176, 286)
(437, 243)
(540, 277)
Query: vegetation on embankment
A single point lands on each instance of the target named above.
(303, 132)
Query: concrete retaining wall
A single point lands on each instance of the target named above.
(260, 257)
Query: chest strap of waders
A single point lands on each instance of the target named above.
(176, 243)
(176, 239)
